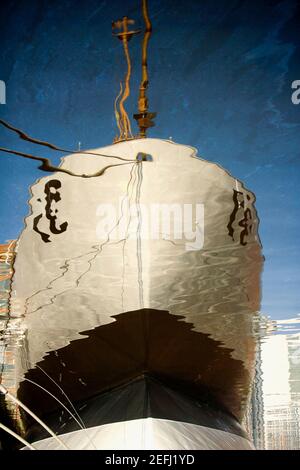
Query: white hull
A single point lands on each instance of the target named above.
(147, 434)
(201, 285)
(70, 284)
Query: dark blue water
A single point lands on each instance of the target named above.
(221, 75)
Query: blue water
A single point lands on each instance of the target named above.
(220, 80)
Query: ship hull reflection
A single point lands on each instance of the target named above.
(174, 312)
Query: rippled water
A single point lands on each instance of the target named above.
(248, 354)
(274, 412)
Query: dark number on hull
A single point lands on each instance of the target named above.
(52, 195)
(245, 222)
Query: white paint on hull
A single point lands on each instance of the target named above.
(216, 288)
(148, 434)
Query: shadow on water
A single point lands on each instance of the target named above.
(145, 343)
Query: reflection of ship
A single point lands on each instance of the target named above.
(138, 287)
(151, 334)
